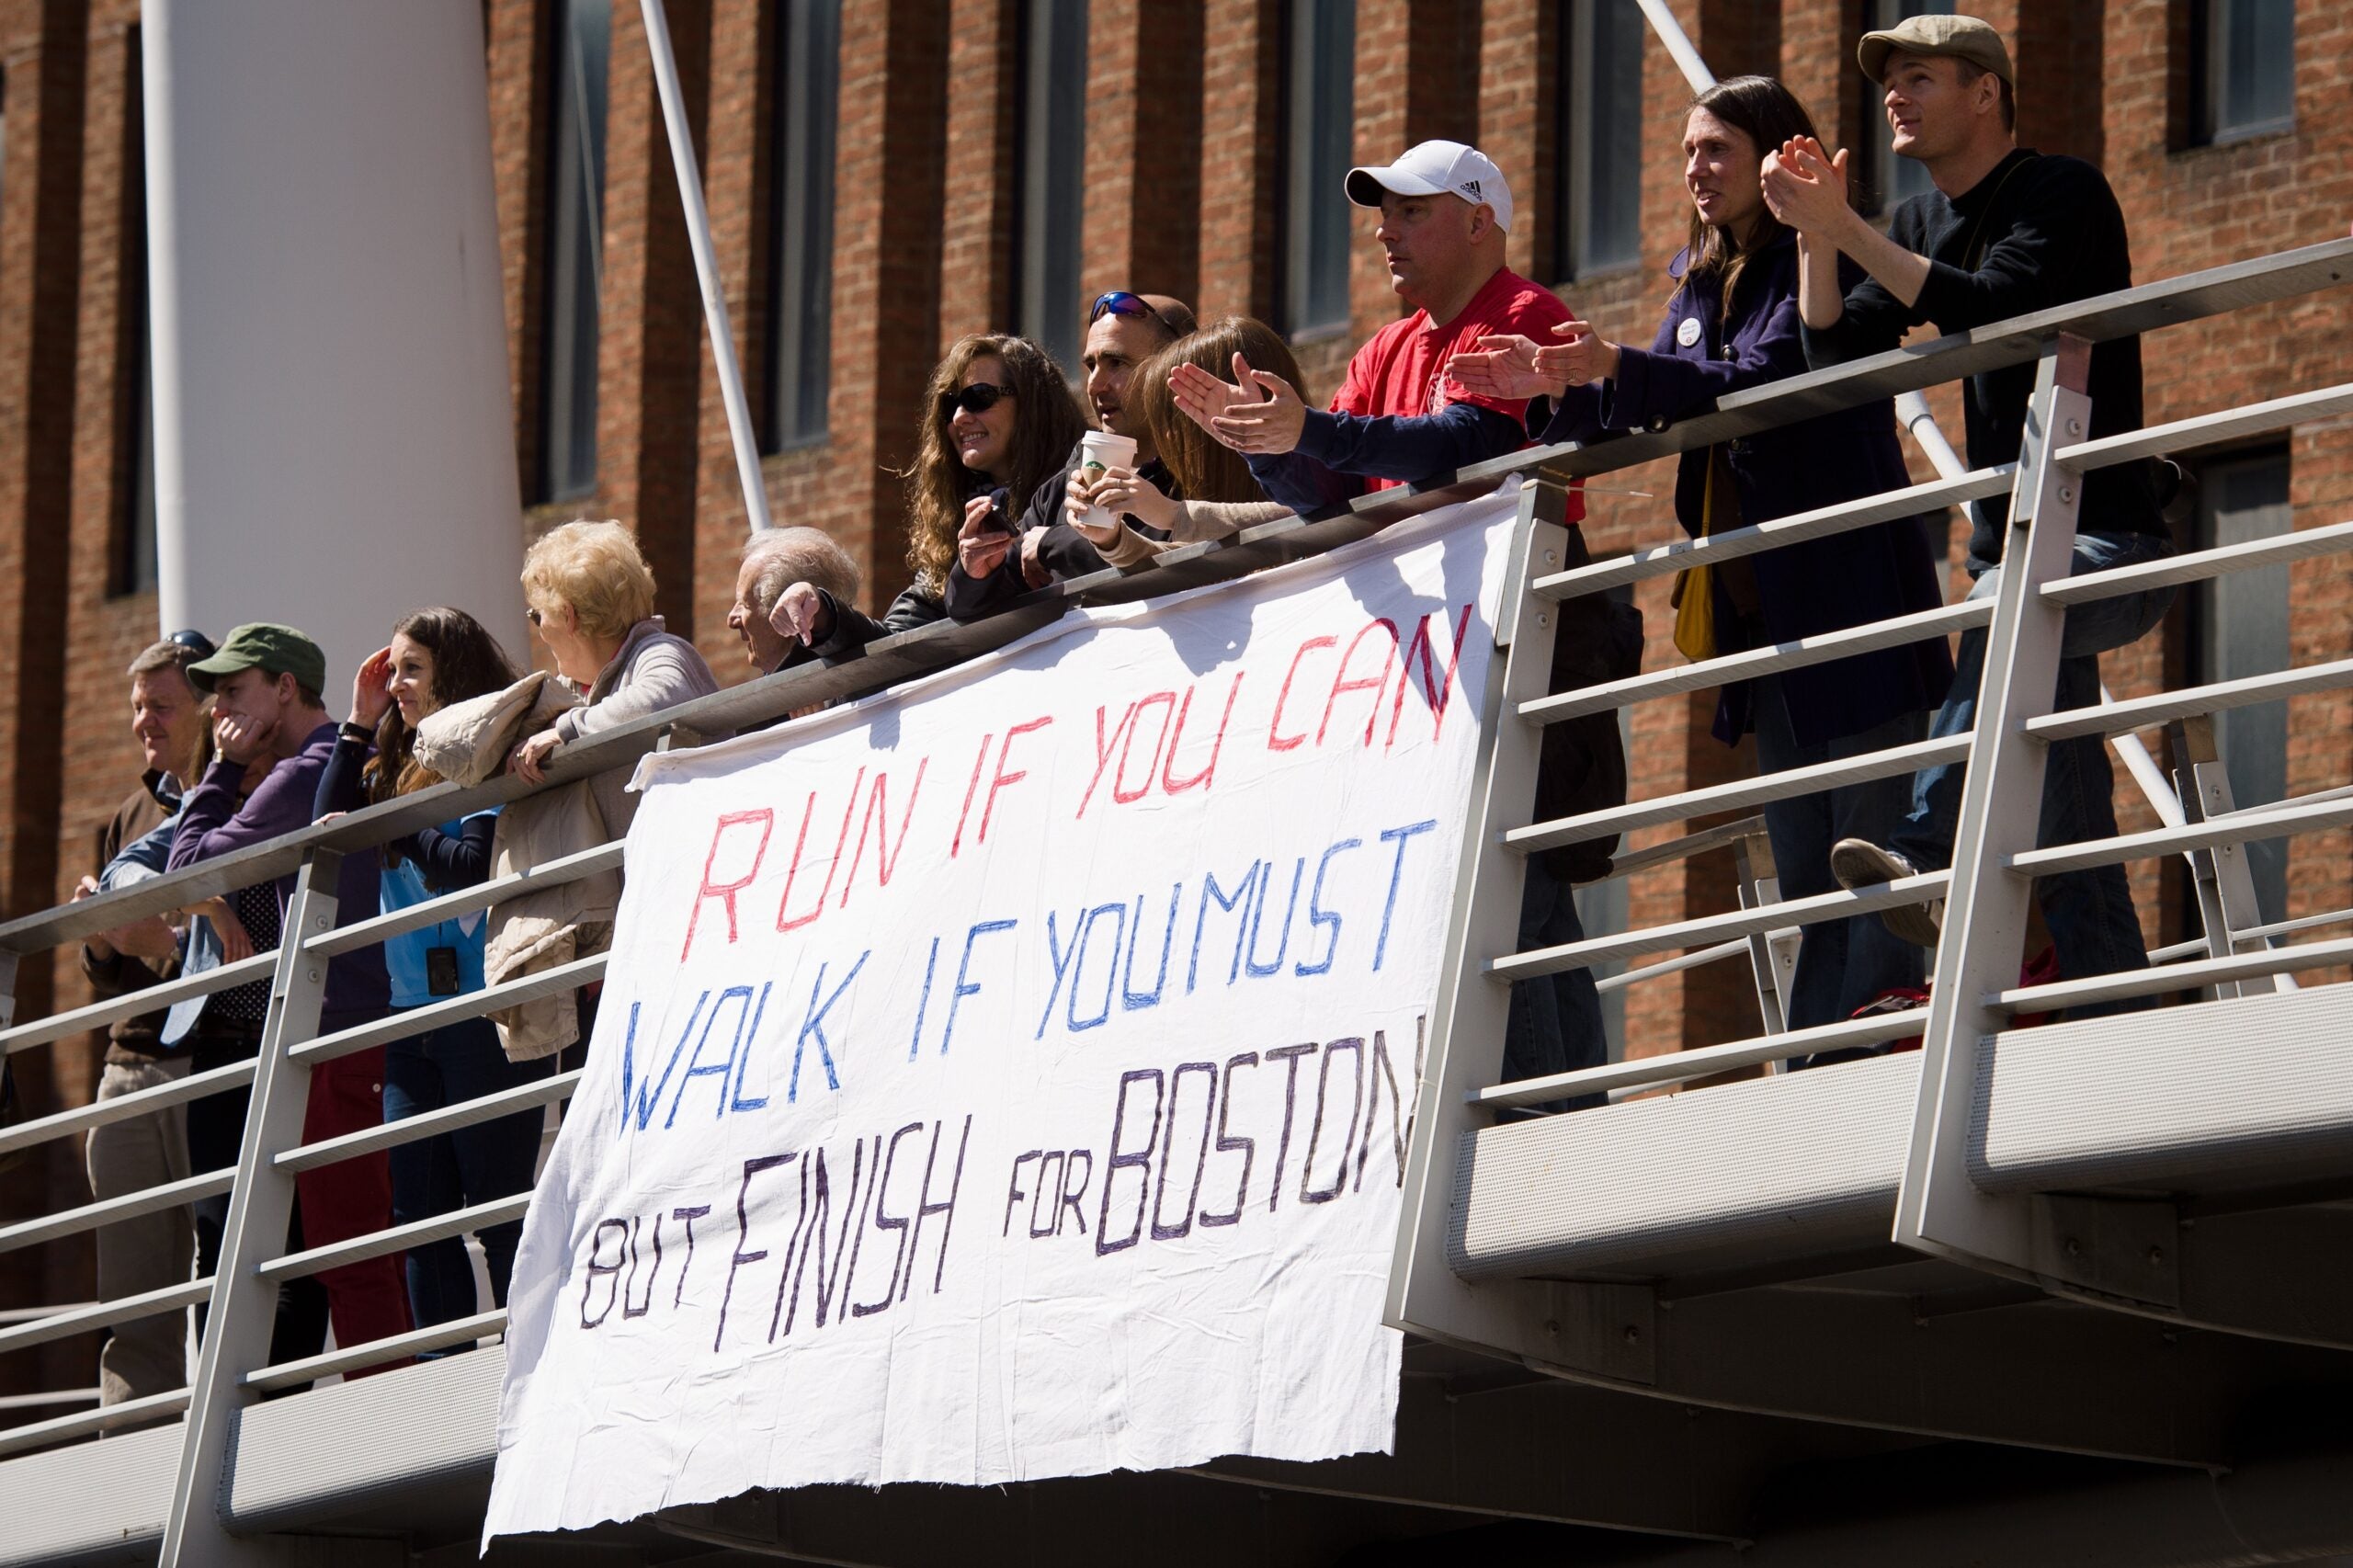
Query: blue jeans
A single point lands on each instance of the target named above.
(1555, 1025)
(2090, 914)
(451, 1170)
(1842, 964)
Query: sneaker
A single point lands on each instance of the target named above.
(1860, 863)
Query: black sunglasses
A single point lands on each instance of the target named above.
(978, 398)
(1120, 302)
(194, 641)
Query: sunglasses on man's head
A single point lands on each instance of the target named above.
(196, 643)
(978, 398)
(1120, 302)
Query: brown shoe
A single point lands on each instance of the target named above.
(1858, 863)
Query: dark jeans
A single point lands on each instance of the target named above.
(2093, 926)
(1842, 964)
(457, 1169)
(1555, 1025)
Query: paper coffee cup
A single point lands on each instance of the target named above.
(1098, 451)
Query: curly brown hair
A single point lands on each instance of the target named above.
(1046, 425)
(1205, 468)
(467, 662)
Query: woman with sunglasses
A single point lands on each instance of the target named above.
(998, 422)
(437, 657)
(1731, 323)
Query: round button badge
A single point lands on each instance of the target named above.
(1687, 333)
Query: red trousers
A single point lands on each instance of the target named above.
(366, 1301)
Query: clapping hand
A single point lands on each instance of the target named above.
(1583, 356)
(1804, 186)
(1256, 412)
(1503, 366)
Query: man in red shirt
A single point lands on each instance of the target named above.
(1445, 208)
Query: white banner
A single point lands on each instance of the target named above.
(1010, 1077)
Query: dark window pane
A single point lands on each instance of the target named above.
(2243, 631)
(1051, 198)
(136, 569)
(576, 248)
(801, 291)
(1891, 181)
(1601, 134)
(2247, 77)
(1319, 148)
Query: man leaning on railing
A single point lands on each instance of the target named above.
(148, 1251)
(2005, 231)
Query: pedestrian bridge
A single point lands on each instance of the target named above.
(2073, 1293)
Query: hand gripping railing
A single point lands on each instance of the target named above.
(1995, 856)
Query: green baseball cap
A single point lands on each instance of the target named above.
(1963, 37)
(265, 645)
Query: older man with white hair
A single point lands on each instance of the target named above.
(773, 562)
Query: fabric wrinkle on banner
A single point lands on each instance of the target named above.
(1009, 1075)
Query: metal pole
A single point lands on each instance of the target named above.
(714, 302)
(1678, 44)
(237, 1328)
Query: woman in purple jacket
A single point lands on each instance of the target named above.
(1730, 323)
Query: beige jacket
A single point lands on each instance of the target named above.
(538, 930)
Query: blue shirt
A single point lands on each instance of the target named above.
(404, 887)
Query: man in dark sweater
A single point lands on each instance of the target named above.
(265, 684)
(2005, 231)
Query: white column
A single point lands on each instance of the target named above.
(333, 428)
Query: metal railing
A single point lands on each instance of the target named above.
(1974, 991)
(1550, 574)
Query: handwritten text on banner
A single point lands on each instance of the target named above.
(1010, 1077)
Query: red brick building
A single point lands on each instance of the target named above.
(884, 176)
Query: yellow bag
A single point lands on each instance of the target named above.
(1695, 587)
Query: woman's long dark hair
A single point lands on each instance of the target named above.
(1203, 466)
(1769, 114)
(1046, 425)
(467, 662)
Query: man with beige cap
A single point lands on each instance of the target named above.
(2005, 231)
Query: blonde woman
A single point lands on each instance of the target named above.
(589, 594)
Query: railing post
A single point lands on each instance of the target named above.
(238, 1322)
(1940, 1210)
(1466, 1041)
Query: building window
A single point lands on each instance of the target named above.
(801, 227)
(1887, 180)
(1049, 198)
(575, 265)
(2243, 67)
(1318, 142)
(135, 568)
(1601, 102)
(2239, 627)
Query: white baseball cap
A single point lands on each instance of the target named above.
(1433, 167)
